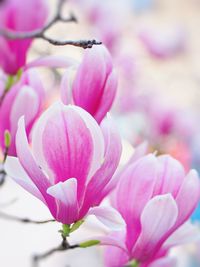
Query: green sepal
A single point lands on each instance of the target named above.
(7, 138)
(10, 81)
(89, 243)
(76, 225)
(65, 230)
(133, 263)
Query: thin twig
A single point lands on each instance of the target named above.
(62, 247)
(41, 33)
(22, 220)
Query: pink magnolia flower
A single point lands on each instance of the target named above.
(71, 162)
(19, 16)
(24, 98)
(94, 86)
(155, 198)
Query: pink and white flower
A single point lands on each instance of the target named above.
(24, 98)
(71, 162)
(95, 83)
(19, 16)
(155, 198)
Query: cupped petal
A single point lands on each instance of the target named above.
(188, 197)
(97, 137)
(80, 140)
(30, 166)
(95, 189)
(15, 170)
(135, 186)
(170, 176)
(107, 97)
(67, 145)
(109, 217)
(66, 195)
(91, 78)
(158, 217)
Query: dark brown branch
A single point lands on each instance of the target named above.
(41, 33)
(22, 220)
(62, 247)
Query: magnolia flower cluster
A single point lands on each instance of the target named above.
(67, 154)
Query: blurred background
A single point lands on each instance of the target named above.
(155, 45)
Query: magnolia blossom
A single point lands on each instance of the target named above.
(94, 86)
(155, 198)
(24, 98)
(71, 163)
(19, 16)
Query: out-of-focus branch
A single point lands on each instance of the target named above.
(22, 220)
(41, 33)
(62, 247)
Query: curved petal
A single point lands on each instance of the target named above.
(91, 78)
(158, 217)
(171, 176)
(109, 217)
(115, 257)
(188, 197)
(60, 116)
(15, 170)
(95, 189)
(136, 185)
(66, 195)
(30, 166)
(107, 98)
(67, 145)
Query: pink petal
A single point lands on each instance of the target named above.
(171, 176)
(157, 218)
(188, 197)
(15, 170)
(67, 145)
(26, 103)
(95, 189)
(115, 255)
(30, 166)
(66, 194)
(107, 97)
(97, 137)
(136, 186)
(91, 160)
(91, 78)
(109, 217)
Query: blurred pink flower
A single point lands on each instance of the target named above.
(163, 43)
(155, 198)
(71, 164)
(24, 98)
(19, 16)
(95, 84)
